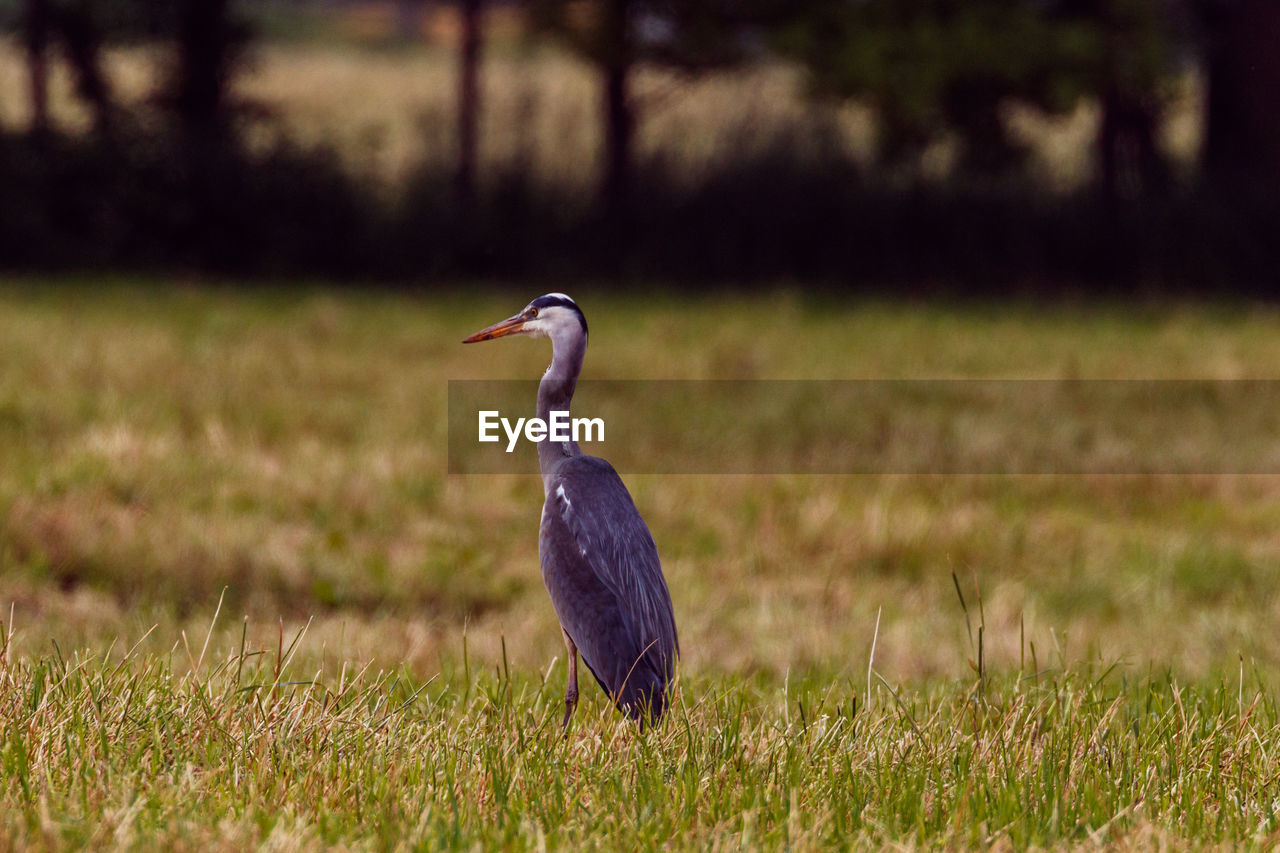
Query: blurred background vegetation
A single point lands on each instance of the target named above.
(972, 145)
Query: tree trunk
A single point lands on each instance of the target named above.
(1130, 163)
(1242, 136)
(468, 100)
(82, 41)
(208, 42)
(619, 116)
(36, 26)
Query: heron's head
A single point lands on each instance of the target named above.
(554, 316)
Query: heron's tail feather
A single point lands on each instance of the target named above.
(645, 691)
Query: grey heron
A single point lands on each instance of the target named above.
(599, 561)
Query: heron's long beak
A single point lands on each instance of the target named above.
(509, 326)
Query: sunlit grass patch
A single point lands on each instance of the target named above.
(223, 747)
(1110, 678)
(163, 445)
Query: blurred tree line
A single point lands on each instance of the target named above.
(176, 185)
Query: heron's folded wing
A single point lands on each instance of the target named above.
(611, 550)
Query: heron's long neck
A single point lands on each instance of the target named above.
(555, 393)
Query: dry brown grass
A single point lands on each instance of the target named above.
(165, 444)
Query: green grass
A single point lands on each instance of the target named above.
(117, 750)
(1111, 678)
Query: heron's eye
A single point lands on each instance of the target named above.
(533, 312)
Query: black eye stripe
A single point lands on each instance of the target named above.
(550, 300)
(557, 302)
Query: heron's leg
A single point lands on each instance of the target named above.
(571, 693)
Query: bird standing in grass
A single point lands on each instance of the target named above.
(599, 561)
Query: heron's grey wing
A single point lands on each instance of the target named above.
(601, 567)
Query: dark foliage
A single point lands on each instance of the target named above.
(144, 201)
(1242, 144)
(179, 189)
(140, 200)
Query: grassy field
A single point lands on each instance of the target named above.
(244, 604)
